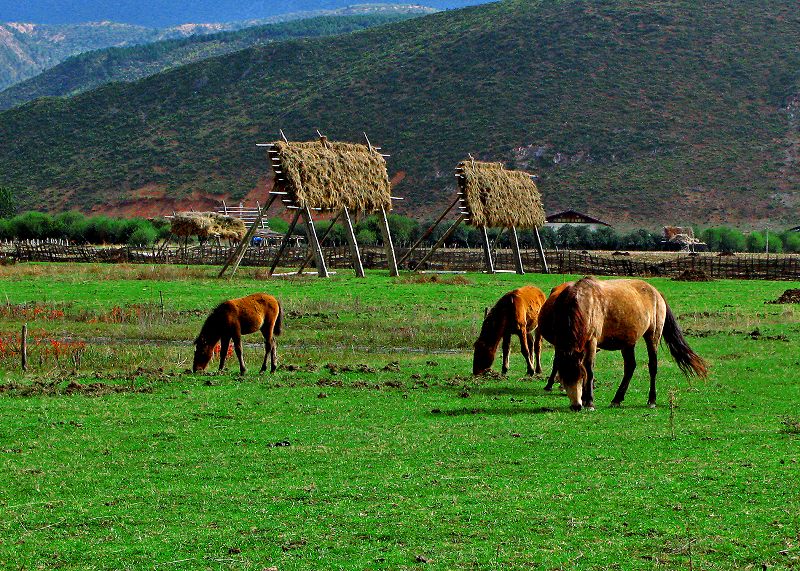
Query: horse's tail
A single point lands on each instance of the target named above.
(278, 327)
(689, 362)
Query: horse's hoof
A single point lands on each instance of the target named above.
(575, 407)
(549, 388)
(651, 405)
(589, 407)
(615, 404)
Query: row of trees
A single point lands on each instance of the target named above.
(405, 231)
(78, 228)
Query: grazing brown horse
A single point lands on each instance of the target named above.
(517, 312)
(547, 326)
(232, 319)
(613, 315)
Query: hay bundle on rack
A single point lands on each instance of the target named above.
(228, 227)
(500, 198)
(186, 224)
(330, 175)
(207, 224)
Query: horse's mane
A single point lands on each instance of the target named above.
(492, 327)
(572, 325)
(210, 330)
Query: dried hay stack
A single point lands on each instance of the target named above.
(207, 224)
(330, 176)
(671, 233)
(500, 198)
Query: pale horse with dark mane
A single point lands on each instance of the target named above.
(613, 315)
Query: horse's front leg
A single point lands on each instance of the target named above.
(506, 351)
(237, 346)
(225, 343)
(552, 378)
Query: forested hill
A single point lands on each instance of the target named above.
(637, 112)
(89, 70)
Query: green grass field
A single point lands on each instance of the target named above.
(373, 447)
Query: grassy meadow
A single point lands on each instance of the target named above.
(372, 446)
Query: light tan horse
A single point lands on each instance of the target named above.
(613, 315)
(516, 313)
(234, 318)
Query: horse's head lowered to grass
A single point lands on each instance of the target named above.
(203, 352)
(483, 357)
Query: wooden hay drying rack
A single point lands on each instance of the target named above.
(487, 246)
(304, 211)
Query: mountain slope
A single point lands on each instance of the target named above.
(641, 113)
(89, 70)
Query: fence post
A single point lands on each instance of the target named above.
(24, 347)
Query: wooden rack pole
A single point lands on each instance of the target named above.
(428, 232)
(241, 247)
(487, 250)
(441, 240)
(355, 255)
(284, 243)
(391, 260)
(310, 256)
(541, 250)
(515, 249)
(322, 270)
(24, 347)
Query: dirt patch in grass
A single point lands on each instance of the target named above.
(756, 335)
(57, 388)
(693, 276)
(789, 296)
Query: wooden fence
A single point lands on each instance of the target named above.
(740, 266)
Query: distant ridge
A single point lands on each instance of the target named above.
(91, 69)
(27, 49)
(635, 112)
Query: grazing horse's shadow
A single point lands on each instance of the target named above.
(493, 411)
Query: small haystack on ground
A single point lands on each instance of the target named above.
(682, 238)
(207, 225)
(491, 196)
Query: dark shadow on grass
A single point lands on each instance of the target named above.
(496, 411)
(531, 391)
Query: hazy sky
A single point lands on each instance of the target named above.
(169, 12)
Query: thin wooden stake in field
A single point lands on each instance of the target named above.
(24, 347)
